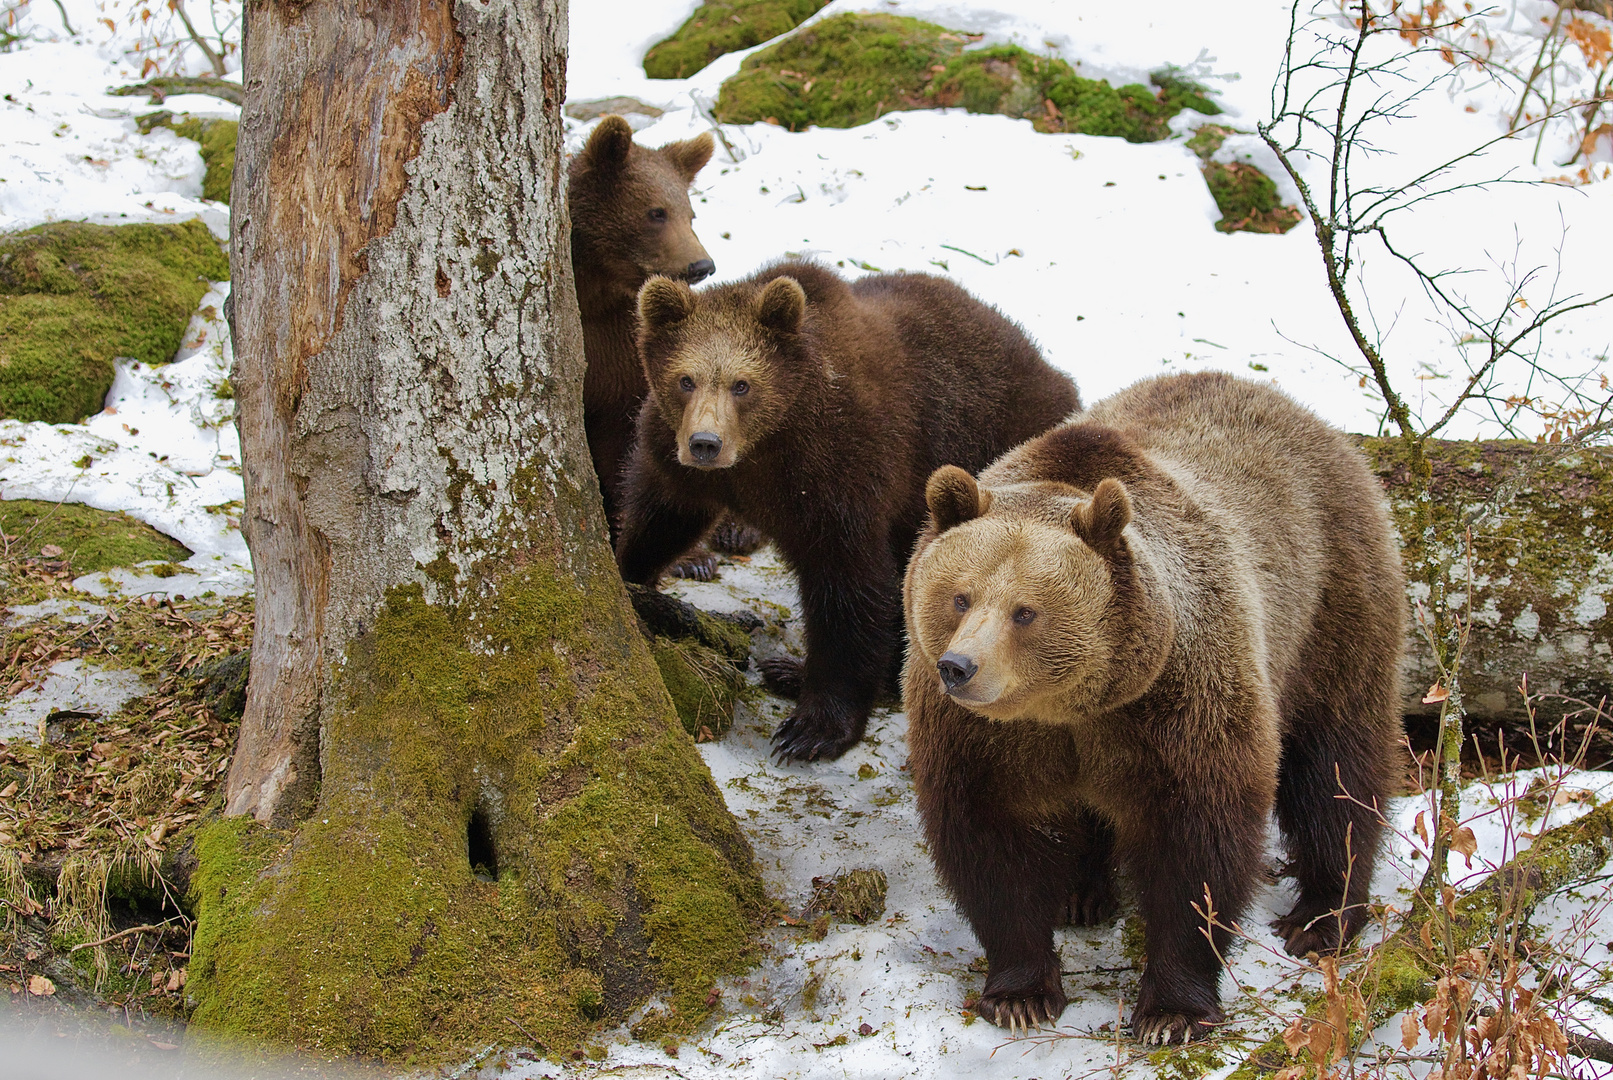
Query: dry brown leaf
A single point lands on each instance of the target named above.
(9, 790)
(39, 986)
(1464, 843)
(1436, 694)
(1408, 1029)
(1420, 826)
(1295, 1036)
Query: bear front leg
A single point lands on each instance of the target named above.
(655, 532)
(851, 606)
(1180, 851)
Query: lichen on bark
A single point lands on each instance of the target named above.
(1541, 573)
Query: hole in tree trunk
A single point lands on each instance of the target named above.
(479, 846)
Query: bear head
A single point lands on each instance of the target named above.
(725, 366)
(630, 212)
(1026, 602)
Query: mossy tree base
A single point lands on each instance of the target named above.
(513, 844)
(74, 296)
(851, 69)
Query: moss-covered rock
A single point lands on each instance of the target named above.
(1542, 573)
(1246, 197)
(511, 843)
(723, 27)
(90, 540)
(850, 69)
(74, 296)
(217, 141)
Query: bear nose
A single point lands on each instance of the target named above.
(955, 670)
(705, 446)
(699, 271)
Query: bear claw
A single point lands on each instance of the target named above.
(1162, 1029)
(810, 733)
(1021, 1013)
(696, 564)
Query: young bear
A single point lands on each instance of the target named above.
(630, 220)
(1135, 636)
(815, 410)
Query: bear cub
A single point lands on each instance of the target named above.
(630, 220)
(815, 410)
(1132, 639)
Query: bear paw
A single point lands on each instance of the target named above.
(822, 729)
(781, 675)
(734, 538)
(1089, 907)
(1164, 1028)
(1314, 928)
(696, 564)
(1021, 1010)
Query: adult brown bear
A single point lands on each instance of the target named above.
(815, 410)
(1129, 641)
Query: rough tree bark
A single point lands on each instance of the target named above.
(461, 809)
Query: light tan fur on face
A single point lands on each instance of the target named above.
(716, 366)
(1051, 667)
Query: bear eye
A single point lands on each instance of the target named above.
(961, 602)
(686, 384)
(741, 387)
(1024, 616)
(658, 215)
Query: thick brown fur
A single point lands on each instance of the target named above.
(1160, 621)
(630, 220)
(832, 404)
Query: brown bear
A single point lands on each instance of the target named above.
(815, 410)
(1134, 637)
(630, 219)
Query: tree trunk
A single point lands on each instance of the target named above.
(1541, 579)
(461, 809)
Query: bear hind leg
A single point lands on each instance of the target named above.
(1331, 792)
(1092, 898)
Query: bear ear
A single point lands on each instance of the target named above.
(782, 305)
(609, 145)
(954, 498)
(690, 155)
(1100, 521)
(662, 302)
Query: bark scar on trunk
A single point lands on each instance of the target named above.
(338, 187)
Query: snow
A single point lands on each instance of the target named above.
(1104, 251)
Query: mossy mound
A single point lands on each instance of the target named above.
(852, 895)
(1246, 197)
(850, 69)
(89, 540)
(217, 140)
(512, 844)
(724, 27)
(73, 296)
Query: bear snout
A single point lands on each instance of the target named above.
(699, 271)
(704, 446)
(956, 670)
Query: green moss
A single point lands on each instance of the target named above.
(1247, 199)
(619, 871)
(724, 27)
(1134, 941)
(1189, 1062)
(850, 69)
(73, 296)
(704, 686)
(217, 141)
(90, 540)
(857, 895)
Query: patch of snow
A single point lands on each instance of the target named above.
(71, 685)
(68, 611)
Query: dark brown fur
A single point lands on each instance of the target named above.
(616, 246)
(1249, 609)
(855, 394)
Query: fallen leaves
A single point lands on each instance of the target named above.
(39, 986)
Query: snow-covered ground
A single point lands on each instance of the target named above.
(1105, 251)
